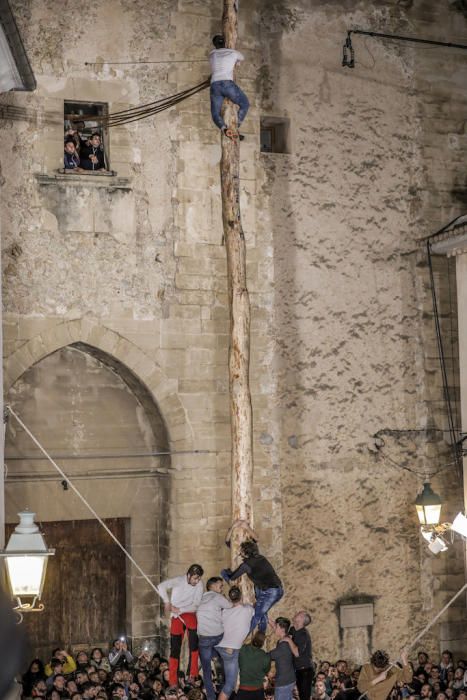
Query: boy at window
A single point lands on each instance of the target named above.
(70, 157)
(92, 156)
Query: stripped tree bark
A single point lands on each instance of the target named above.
(239, 306)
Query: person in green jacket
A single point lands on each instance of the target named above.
(254, 664)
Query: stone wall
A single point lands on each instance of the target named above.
(355, 353)
(133, 267)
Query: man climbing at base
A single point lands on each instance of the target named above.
(378, 678)
(185, 596)
(223, 62)
(268, 586)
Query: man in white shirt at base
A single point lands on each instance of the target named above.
(185, 596)
(223, 62)
(236, 623)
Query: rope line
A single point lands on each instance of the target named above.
(436, 617)
(422, 633)
(82, 498)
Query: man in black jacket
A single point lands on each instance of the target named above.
(268, 586)
(92, 156)
(303, 663)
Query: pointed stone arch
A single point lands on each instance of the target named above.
(103, 342)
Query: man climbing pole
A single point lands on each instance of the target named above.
(223, 62)
(267, 584)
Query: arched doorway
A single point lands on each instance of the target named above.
(92, 413)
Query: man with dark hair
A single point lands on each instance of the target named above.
(185, 596)
(58, 683)
(268, 586)
(236, 621)
(320, 691)
(56, 667)
(426, 691)
(80, 678)
(283, 656)
(254, 664)
(378, 677)
(210, 628)
(223, 62)
(303, 662)
(422, 657)
(445, 666)
(39, 689)
(119, 655)
(92, 155)
(118, 691)
(70, 156)
(342, 670)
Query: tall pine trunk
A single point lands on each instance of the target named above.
(239, 306)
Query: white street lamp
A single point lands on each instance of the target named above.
(26, 557)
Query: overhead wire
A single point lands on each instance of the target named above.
(408, 432)
(423, 474)
(442, 361)
(143, 63)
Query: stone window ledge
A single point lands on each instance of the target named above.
(110, 180)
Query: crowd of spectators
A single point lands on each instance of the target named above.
(83, 153)
(121, 676)
(116, 676)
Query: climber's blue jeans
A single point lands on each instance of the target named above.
(229, 89)
(265, 599)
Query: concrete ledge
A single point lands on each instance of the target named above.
(110, 180)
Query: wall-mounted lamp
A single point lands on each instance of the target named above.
(428, 505)
(26, 556)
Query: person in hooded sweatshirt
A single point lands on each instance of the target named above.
(210, 628)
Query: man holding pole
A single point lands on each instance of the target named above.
(223, 62)
(185, 596)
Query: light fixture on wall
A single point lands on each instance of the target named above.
(26, 556)
(428, 506)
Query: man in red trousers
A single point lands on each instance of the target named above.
(185, 596)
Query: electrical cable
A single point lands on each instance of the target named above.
(407, 431)
(421, 474)
(131, 63)
(126, 116)
(115, 455)
(144, 111)
(84, 501)
(439, 340)
(451, 316)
